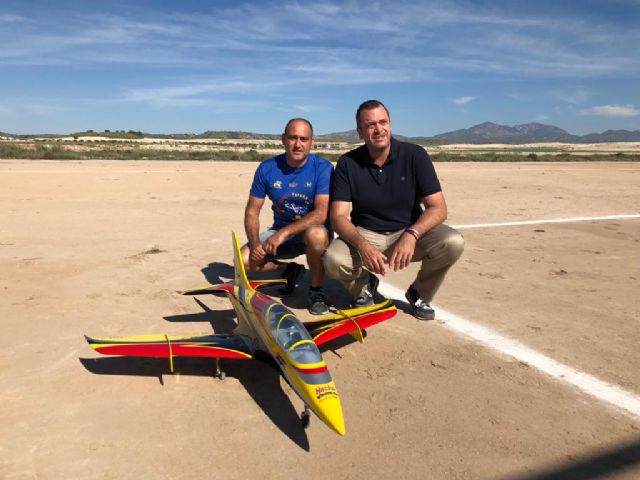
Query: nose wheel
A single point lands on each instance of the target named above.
(219, 372)
(305, 417)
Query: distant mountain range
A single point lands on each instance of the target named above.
(532, 133)
(489, 132)
(486, 132)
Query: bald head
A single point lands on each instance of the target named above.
(293, 120)
(298, 141)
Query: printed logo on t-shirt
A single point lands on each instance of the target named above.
(277, 184)
(308, 185)
(295, 204)
(293, 185)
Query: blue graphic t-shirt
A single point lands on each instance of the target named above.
(291, 190)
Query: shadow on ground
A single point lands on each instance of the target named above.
(222, 321)
(598, 465)
(259, 379)
(338, 297)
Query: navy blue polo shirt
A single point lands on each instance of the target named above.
(385, 198)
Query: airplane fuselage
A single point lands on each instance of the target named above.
(285, 338)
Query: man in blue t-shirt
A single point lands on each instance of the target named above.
(297, 183)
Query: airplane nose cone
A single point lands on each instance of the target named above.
(331, 414)
(338, 426)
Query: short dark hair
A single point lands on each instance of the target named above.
(370, 105)
(286, 127)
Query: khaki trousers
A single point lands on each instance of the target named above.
(438, 250)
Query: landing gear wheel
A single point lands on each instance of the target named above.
(219, 372)
(305, 418)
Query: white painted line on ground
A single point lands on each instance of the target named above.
(550, 220)
(587, 383)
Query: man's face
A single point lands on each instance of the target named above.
(297, 141)
(374, 127)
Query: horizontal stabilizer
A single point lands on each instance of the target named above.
(255, 284)
(220, 287)
(228, 287)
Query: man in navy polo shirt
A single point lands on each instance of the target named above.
(397, 209)
(297, 183)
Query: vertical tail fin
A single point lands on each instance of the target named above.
(241, 279)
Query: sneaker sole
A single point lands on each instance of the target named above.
(323, 312)
(367, 304)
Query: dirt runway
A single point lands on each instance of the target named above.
(100, 247)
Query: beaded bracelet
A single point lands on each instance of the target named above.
(413, 232)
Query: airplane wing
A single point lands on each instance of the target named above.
(351, 321)
(164, 346)
(228, 287)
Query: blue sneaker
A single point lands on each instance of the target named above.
(317, 302)
(421, 309)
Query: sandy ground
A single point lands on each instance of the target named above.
(99, 247)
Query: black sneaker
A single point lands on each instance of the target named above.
(421, 309)
(366, 298)
(317, 302)
(292, 273)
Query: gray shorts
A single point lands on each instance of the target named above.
(291, 247)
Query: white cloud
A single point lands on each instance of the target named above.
(237, 38)
(310, 108)
(41, 109)
(193, 90)
(9, 18)
(612, 111)
(463, 100)
(577, 96)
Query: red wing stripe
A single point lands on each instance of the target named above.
(161, 350)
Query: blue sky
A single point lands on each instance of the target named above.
(192, 66)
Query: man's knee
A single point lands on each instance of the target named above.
(331, 262)
(453, 246)
(244, 251)
(316, 238)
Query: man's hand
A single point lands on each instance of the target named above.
(257, 257)
(402, 252)
(272, 243)
(373, 259)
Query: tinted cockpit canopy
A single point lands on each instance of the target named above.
(288, 331)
